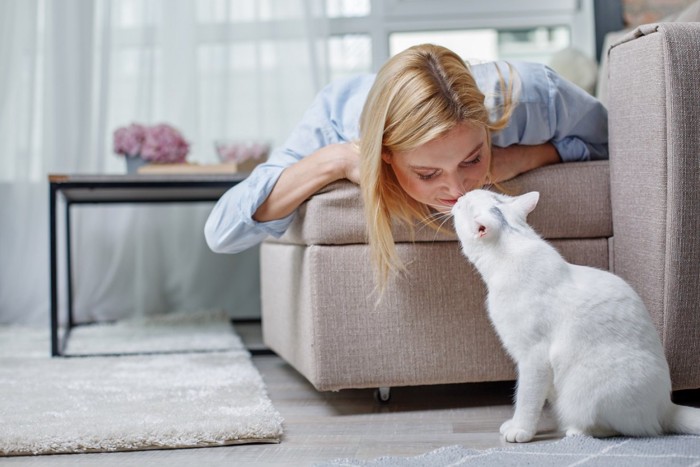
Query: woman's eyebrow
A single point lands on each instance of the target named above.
(471, 153)
(474, 151)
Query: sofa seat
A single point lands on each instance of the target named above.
(321, 312)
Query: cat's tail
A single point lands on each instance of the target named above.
(682, 420)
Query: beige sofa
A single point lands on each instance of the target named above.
(637, 215)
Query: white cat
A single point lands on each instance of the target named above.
(581, 337)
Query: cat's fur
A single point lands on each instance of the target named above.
(581, 337)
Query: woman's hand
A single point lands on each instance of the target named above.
(514, 160)
(346, 157)
(304, 178)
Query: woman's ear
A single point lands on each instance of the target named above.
(386, 157)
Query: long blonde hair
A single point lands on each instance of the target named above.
(418, 95)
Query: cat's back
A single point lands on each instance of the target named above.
(601, 283)
(601, 298)
(603, 321)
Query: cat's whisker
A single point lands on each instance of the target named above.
(445, 220)
(444, 215)
(432, 219)
(439, 207)
(436, 220)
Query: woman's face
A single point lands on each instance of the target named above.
(440, 171)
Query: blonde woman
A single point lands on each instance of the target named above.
(415, 137)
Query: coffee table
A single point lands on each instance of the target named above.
(81, 189)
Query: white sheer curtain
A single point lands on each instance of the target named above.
(71, 71)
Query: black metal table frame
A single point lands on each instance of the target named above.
(115, 189)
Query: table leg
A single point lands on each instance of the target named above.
(53, 259)
(69, 270)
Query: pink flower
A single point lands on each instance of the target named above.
(128, 140)
(164, 143)
(159, 143)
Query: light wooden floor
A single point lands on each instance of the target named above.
(350, 423)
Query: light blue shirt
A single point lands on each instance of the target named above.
(549, 109)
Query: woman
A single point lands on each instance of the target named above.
(429, 129)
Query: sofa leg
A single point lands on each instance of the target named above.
(382, 395)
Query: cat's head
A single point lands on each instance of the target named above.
(481, 216)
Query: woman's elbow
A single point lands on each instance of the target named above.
(222, 238)
(213, 238)
(218, 237)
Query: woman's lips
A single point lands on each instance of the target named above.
(448, 202)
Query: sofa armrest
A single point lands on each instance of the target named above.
(654, 125)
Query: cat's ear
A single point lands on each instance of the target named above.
(527, 202)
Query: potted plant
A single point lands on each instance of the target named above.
(156, 144)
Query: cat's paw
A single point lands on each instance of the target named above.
(594, 432)
(516, 434)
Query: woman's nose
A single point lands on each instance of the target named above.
(457, 185)
(475, 181)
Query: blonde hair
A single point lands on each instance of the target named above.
(418, 95)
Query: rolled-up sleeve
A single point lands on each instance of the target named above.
(230, 227)
(579, 121)
(548, 109)
(331, 118)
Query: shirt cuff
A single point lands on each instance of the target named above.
(260, 185)
(276, 227)
(572, 149)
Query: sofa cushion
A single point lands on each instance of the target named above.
(574, 203)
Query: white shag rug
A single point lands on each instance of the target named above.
(133, 402)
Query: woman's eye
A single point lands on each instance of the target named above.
(474, 161)
(427, 176)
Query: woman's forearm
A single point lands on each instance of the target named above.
(517, 159)
(304, 178)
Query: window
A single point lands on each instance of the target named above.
(475, 45)
(477, 30)
(237, 51)
(349, 54)
(347, 8)
(362, 34)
